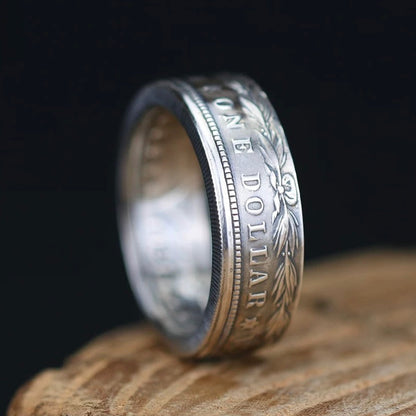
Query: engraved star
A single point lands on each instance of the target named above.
(249, 323)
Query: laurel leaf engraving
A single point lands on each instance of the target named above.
(281, 232)
(278, 287)
(268, 170)
(273, 180)
(276, 203)
(282, 157)
(267, 159)
(290, 279)
(258, 116)
(293, 239)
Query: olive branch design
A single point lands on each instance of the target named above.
(285, 223)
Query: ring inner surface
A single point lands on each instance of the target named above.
(169, 219)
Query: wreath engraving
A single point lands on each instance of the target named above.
(283, 218)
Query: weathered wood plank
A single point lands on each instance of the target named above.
(351, 350)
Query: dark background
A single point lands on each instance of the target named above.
(341, 78)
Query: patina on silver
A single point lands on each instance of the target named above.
(209, 214)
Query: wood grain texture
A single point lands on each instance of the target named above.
(351, 350)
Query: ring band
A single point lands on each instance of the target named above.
(209, 214)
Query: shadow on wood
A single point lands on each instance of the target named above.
(351, 350)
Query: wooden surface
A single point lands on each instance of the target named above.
(350, 351)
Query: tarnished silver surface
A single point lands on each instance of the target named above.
(209, 214)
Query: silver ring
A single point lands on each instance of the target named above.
(209, 214)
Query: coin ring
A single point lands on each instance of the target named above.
(209, 214)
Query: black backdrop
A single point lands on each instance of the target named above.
(341, 79)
